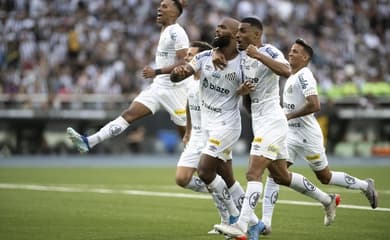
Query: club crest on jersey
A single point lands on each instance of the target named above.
(302, 81)
(174, 36)
(231, 76)
(216, 75)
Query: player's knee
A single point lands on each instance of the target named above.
(252, 176)
(182, 181)
(205, 176)
(324, 179)
(281, 180)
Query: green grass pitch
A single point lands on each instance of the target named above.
(94, 203)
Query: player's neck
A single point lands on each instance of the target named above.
(296, 69)
(168, 23)
(229, 52)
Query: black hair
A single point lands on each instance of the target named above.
(253, 22)
(178, 6)
(203, 46)
(308, 49)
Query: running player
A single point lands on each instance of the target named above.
(193, 140)
(220, 114)
(171, 50)
(262, 64)
(304, 138)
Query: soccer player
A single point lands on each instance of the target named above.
(304, 138)
(193, 140)
(171, 50)
(220, 115)
(262, 65)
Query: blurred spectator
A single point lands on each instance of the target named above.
(81, 41)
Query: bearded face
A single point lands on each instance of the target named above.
(221, 41)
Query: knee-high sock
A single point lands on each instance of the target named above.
(252, 196)
(270, 195)
(301, 184)
(219, 188)
(197, 185)
(111, 129)
(342, 179)
(238, 196)
(222, 210)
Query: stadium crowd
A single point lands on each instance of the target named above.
(100, 46)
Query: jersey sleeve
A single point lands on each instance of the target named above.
(307, 83)
(197, 61)
(274, 53)
(180, 38)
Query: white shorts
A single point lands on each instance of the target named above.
(219, 142)
(270, 137)
(172, 99)
(191, 155)
(314, 156)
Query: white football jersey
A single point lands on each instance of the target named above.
(219, 101)
(266, 95)
(172, 39)
(194, 105)
(305, 129)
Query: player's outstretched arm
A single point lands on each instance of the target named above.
(181, 72)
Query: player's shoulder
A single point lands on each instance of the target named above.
(176, 28)
(306, 72)
(271, 50)
(204, 54)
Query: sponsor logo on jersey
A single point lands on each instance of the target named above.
(313, 157)
(302, 81)
(214, 87)
(194, 107)
(216, 75)
(212, 108)
(180, 111)
(257, 140)
(214, 141)
(289, 106)
(162, 54)
(294, 125)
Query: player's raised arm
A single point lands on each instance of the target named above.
(278, 67)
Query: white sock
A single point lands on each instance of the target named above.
(270, 195)
(197, 185)
(301, 184)
(238, 196)
(222, 210)
(344, 180)
(252, 196)
(111, 129)
(218, 186)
